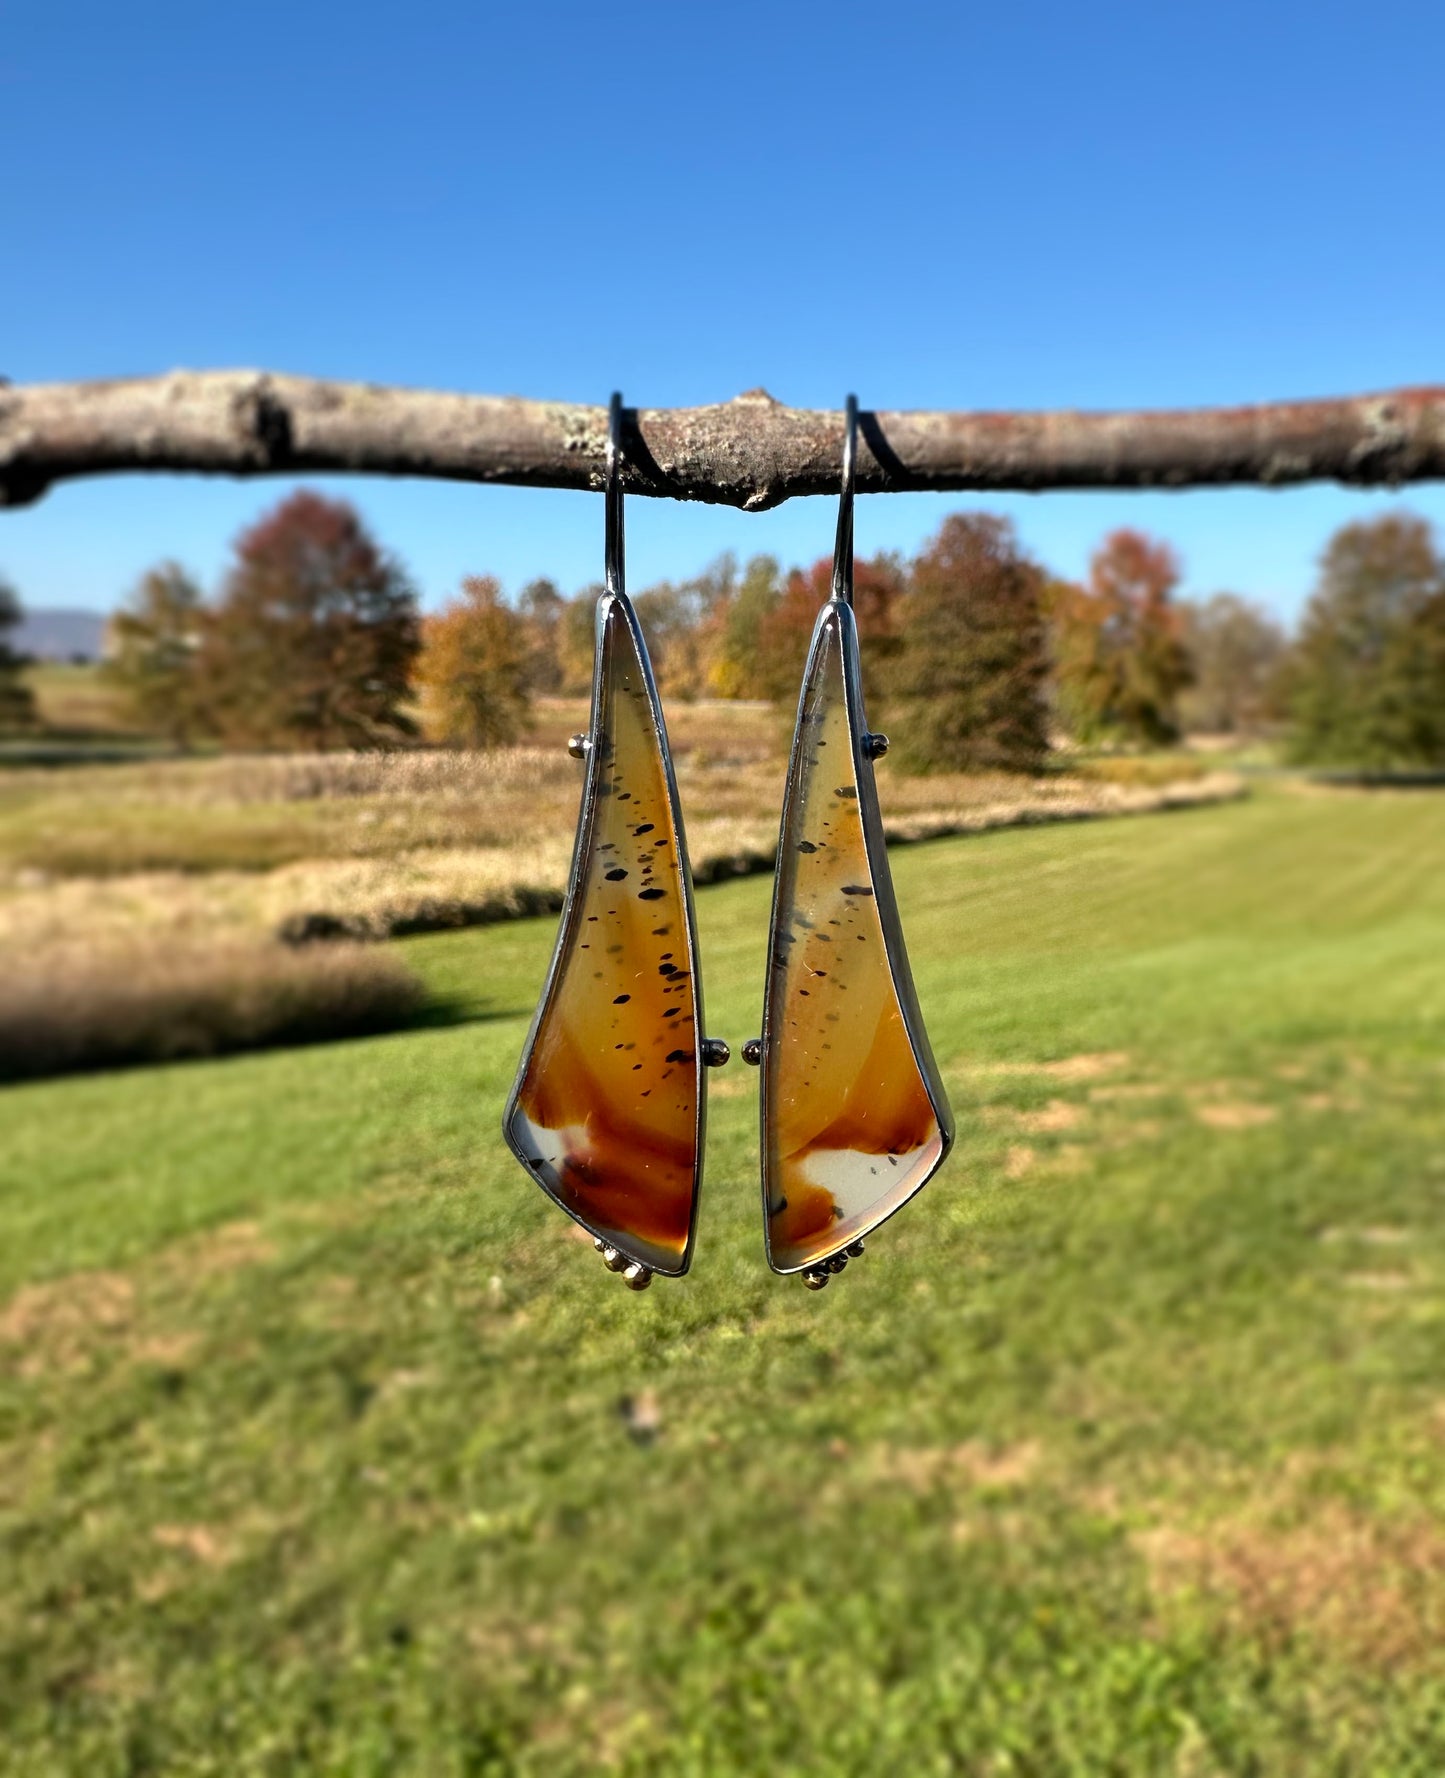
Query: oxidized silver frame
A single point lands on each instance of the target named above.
(864, 747)
(614, 597)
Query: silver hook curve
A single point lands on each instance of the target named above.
(615, 541)
(843, 547)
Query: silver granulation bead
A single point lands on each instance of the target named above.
(815, 1280)
(577, 746)
(874, 746)
(715, 1053)
(637, 1276)
(753, 1051)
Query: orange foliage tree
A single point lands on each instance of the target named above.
(476, 668)
(1119, 643)
(785, 629)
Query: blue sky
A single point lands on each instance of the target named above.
(938, 206)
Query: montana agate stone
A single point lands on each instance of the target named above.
(607, 1111)
(854, 1116)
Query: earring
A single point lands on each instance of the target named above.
(855, 1119)
(608, 1109)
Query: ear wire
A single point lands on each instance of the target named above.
(615, 542)
(843, 548)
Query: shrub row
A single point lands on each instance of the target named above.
(166, 1005)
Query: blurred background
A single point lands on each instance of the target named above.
(324, 1443)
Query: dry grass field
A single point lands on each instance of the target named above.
(386, 842)
(150, 902)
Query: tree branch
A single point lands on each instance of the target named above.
(751, 452)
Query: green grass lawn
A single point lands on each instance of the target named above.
(324, 1447)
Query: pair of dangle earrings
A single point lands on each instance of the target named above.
(608, 1111)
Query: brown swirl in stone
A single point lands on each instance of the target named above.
(605, 1114)
(852, 1128)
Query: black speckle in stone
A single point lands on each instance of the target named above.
(845, 790)
(672, 1012)
(616, 876)
(806, 846)
(679, 1056)
(661, 931)
(657, 894)
(622, 999)
(856, 889)
(646, 827)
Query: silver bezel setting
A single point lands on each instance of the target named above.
(614, 601)
(862, 744)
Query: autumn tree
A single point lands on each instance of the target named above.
(787, 627)
(476, 668)
(970, 677)
(1119, 647)
(669, 622)
(17, 701)
(152, 647)
(736, 667)
(1368, 675)
(313, 639)
(1237, 653)
(681, 621)
(577, 642)
(542, 608)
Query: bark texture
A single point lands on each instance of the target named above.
(751, 452)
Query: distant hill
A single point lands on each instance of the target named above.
(59, 634)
